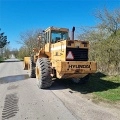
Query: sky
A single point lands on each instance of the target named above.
(18, 16)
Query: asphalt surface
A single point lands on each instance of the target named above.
(21, 99)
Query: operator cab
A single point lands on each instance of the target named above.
(53, 35)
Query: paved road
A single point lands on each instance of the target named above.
(21, 99)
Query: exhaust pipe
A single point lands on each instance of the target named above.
(73, 30)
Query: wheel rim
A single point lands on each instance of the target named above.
(28, 66)
(24, 65)
(38, 73)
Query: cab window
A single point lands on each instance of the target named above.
(58, 36)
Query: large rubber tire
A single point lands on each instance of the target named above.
(83, 80)
(31, 69)
(43, 73)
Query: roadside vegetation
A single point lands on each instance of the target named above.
(1, 59)
(29, 40)
(104, 41)
(3, 44)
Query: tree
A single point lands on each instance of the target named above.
(23, 51)
(105, 41)
(7, 53)
(110, 21)
(3, 40)
(29, 40)
(93, 34)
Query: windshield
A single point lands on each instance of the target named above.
(58, 36)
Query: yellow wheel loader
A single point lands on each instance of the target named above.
(60, 58)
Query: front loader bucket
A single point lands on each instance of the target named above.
(26, 63)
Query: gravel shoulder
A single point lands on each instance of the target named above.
(83, 107)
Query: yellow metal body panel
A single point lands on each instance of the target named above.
(58, 51)
(75, 69)
(77, 43)
(26, 63)
(47, 47)
(70, 69)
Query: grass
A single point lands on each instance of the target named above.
(1, 59)
(113, 93)
(101, 86)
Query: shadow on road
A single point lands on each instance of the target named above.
(15, 78)
(11, 61)
(57, 85)
(95, 84)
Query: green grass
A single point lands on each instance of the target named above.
(113, 91)
(101, 86)
(1, 59)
